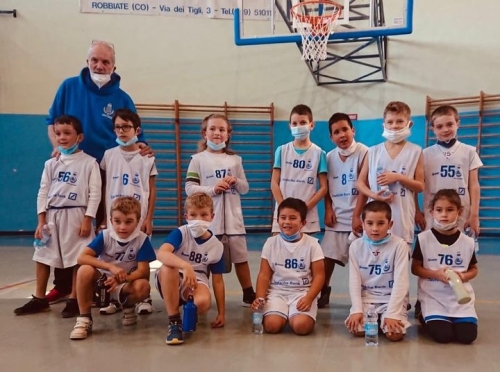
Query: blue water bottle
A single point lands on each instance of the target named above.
(46, 234)
(190, 315)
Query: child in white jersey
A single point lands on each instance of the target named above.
(217, 171)
(451, 164)
(344, 163)
(298, 166)
(123, 253)
(378, 274)
(69, 194)
(393, 171)
(189, 254)
(127, 173)
(291, 273)
(437, 250)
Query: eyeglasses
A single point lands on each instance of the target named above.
(123, 128)
(94, 42)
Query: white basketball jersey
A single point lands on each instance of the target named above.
(69, 180)
(403, 205)
(379, 273)
(210, 168)
(127, 178)
(342, 176)
(199, 256)
(437, 298)
(291, 262)
(299, 174)
(123, 256)
(449, 169)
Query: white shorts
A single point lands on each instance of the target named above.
(285, 305)
(64, 246)
(237, 247)
(183, 290)
(381, 310)
(335, 245)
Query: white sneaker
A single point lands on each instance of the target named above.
(129, 316)
(113, 308)
(82, 328)
(145, 307)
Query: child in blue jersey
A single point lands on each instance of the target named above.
(378, 274)
(189, 254)
(437, 250)
(69, 194)
(344, 164)
(298, 167)
(123, 253)
(291, 273)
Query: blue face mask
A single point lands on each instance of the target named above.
(128, 143)
(301, 131)
(69, 150)
(377, 242)
(447, 144)
(291, 238)
(216, 147)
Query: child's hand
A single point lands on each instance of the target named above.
(440, 275)
(357, 226)
(381, 197)
(221, 186)
(189, 278)
(461, 275)
(112, 282)
(218, 322)
(354, 322)
(231, 180)
(387, 178)
(330, 217)
(85, 227)
(473, 223)
(119, 273)
(145, 150)
(256, 304)
(147, 227)
(38, 231)
(393, 326)
(420, 220)
(304, 304)
(55, 153)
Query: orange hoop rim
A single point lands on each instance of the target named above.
(319, 19)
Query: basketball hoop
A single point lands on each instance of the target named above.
(315, 21)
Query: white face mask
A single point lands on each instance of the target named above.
(396, 136)
(115, 236)
(350, 150)
(100, 79)
(301, 131)
(444, 227)
(198, 227)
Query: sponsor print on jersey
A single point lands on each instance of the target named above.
(72, 196)
(461, 191)
(354, 191)
(310, 180)
(137, 196)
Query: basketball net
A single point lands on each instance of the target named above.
(315, 21)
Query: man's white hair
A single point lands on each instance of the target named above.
(110, 46)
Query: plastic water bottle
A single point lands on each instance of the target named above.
(190, 315)
(46, 234)
(386, 189)
(371, 326)
(458, 287)
(472, 234)
(103, 297)
(258, 317)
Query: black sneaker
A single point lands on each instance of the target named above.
(248, 299)
(35, 305)
(71, 309)
(324, 299)
(418, 310)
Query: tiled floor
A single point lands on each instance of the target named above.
(41, 342)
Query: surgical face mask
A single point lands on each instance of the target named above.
(115, 236)
(396, 136)
(128, 143)
(350, 150)
(447, 144)
(216, 147)
(198, 227)
(377, 242)
(301, 131)
(100, 79)
(290, 238)
(69, 150)
(444, 226)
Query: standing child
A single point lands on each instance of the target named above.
(69, 194)
(123, 254)
(128, 173)
(344, 163)
(189, 254)
(393, 171)
(291, 273)
(437, 250)
(451, 164)
(298, 166)
(218, 171)
(378, 274)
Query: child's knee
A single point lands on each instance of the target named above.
(85, 273)
(394, 337)
(302, 326)
(273, 324)
(141, 289)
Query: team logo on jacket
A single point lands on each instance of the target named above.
(131, 255)
(205, 257)
(387, 267)
(309, 165)
(108, 111)
(459, 173)
(459, 261)
(302, 264)
(136, 178)
(73, 178)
